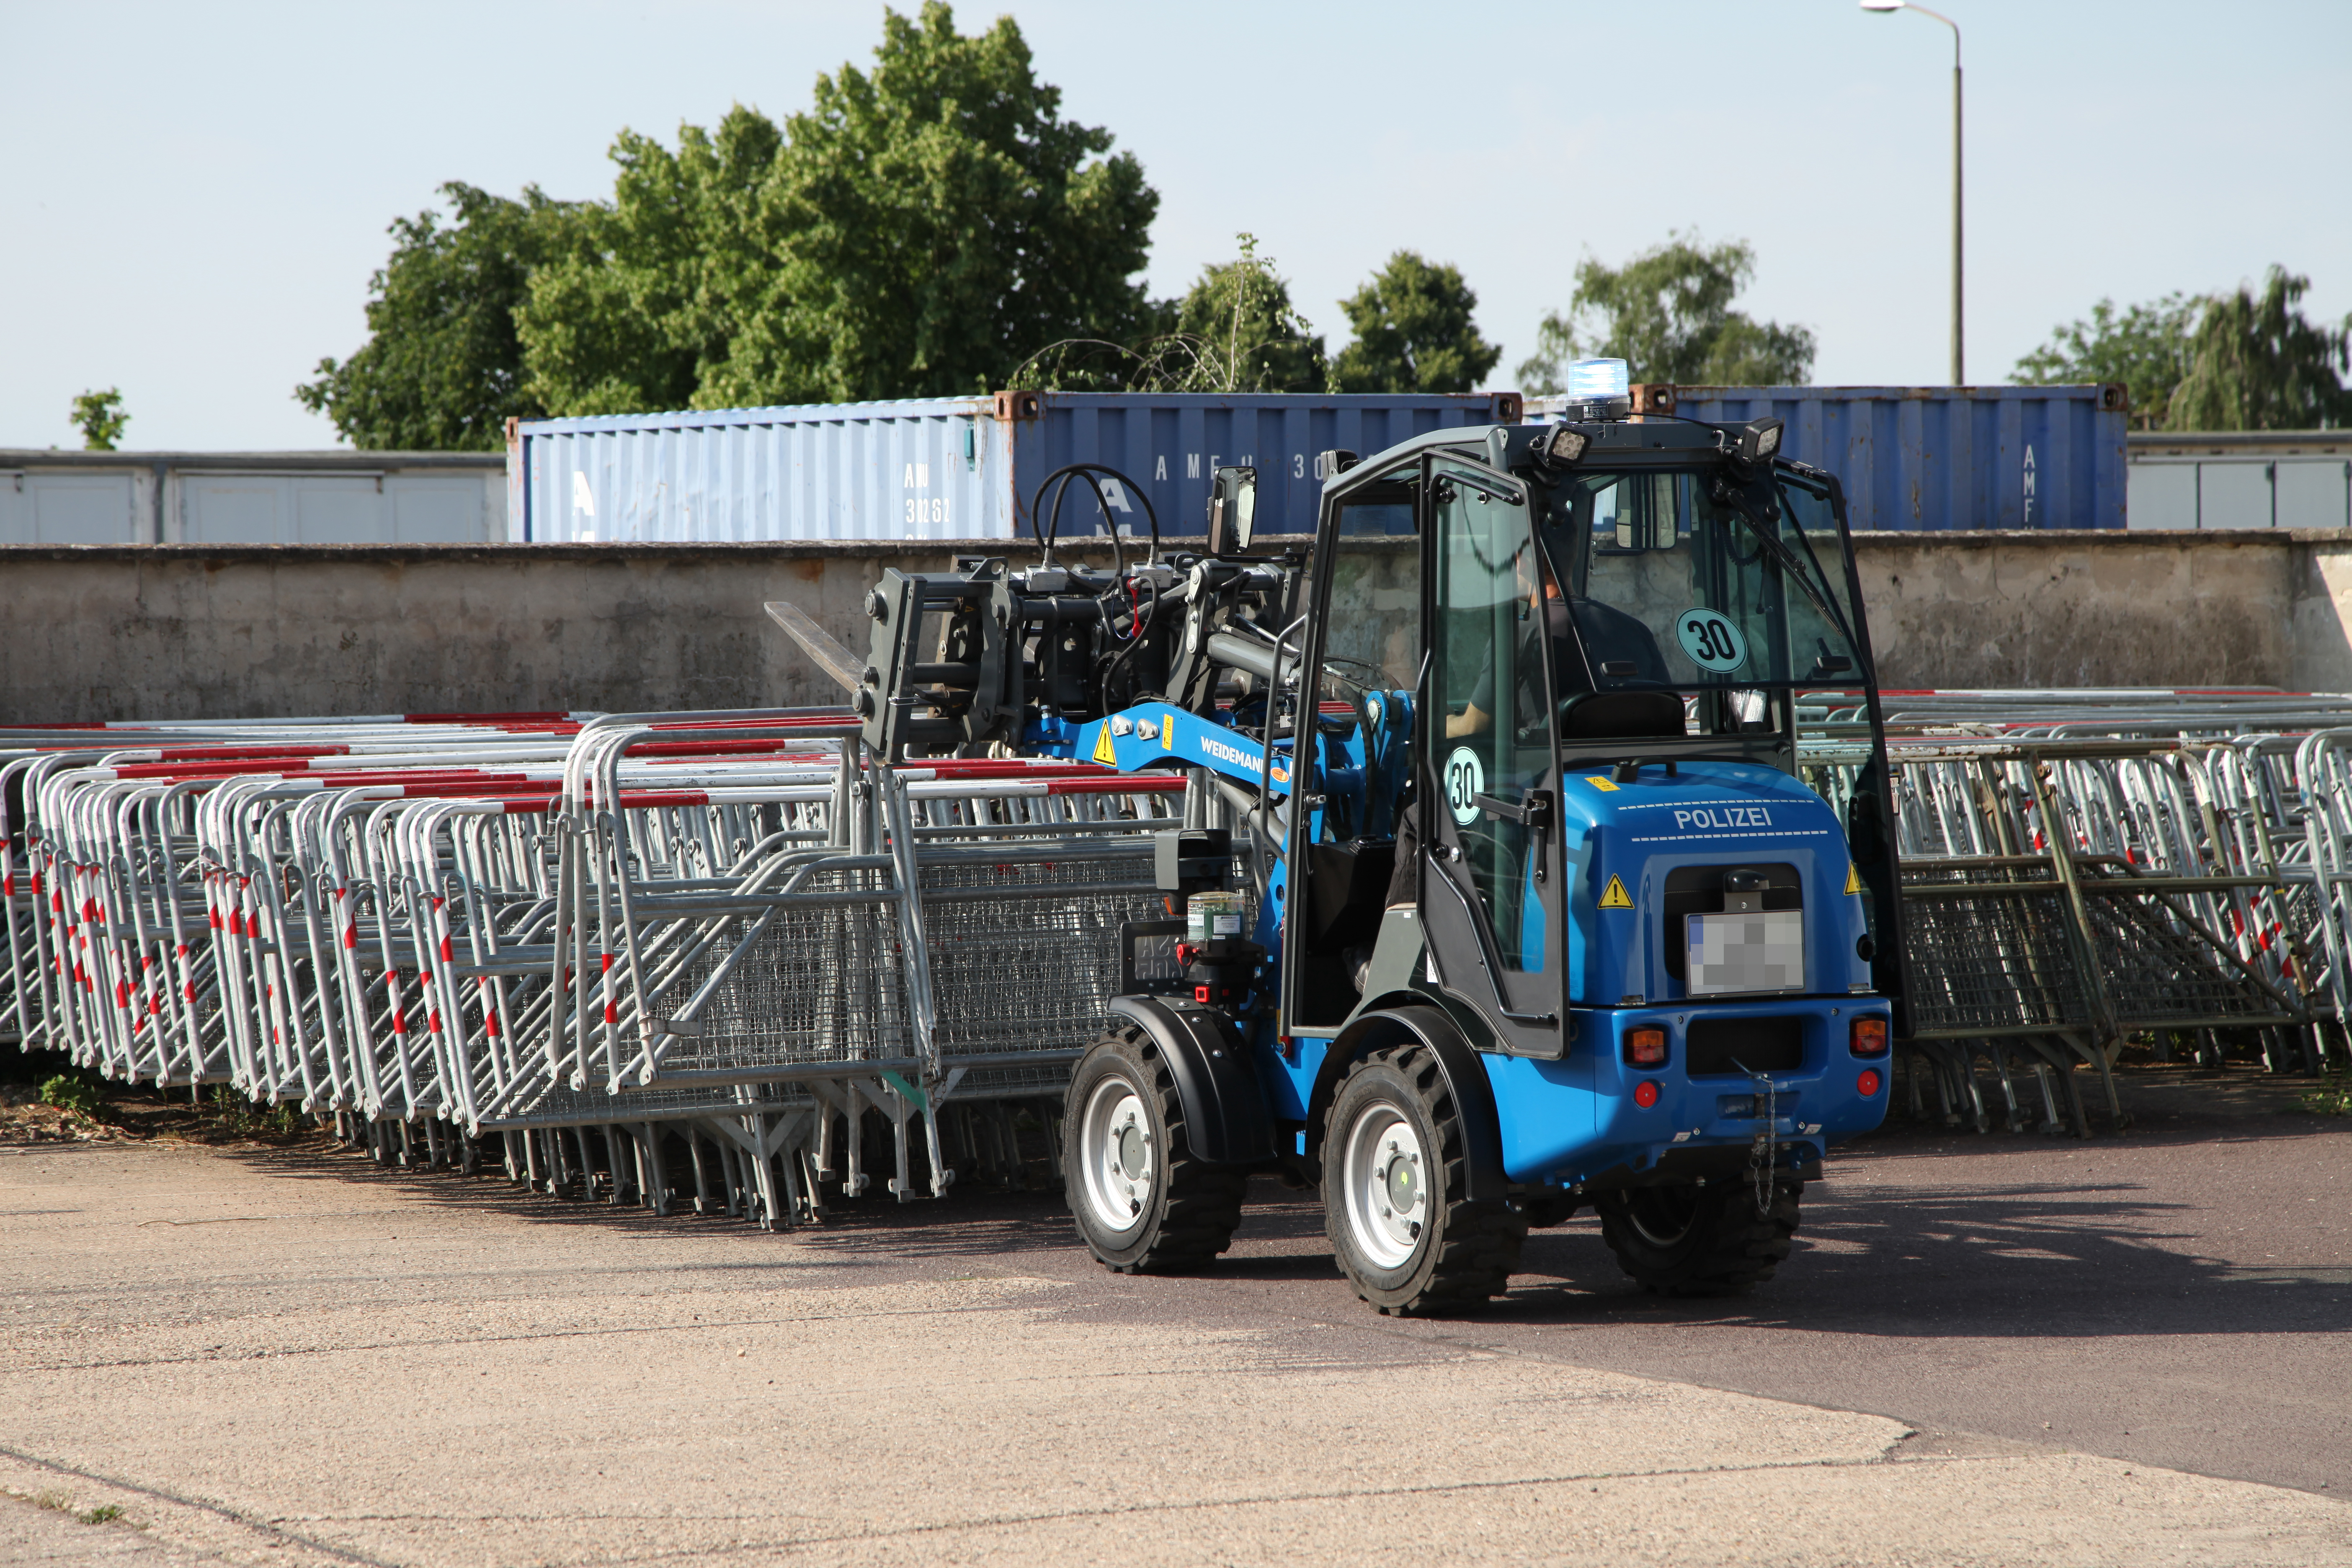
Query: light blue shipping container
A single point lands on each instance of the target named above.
(945, 468)
(1941, 457)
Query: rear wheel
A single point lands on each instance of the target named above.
(1683, 1239)
(1395, 1183)
(1143, 1202)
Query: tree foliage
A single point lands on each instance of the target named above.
(1413, 332)
(921, 229)
(2257, 365)
(2221, 362)
(1236, 329)
(443, 368)
(2145, 347)
(1667, 313)
(99, 418)
(1243, 334)
(649, 308)
(926, 225)
(941, 222)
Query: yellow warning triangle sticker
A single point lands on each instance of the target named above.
(1103, 752)
(1853, 877)
(1615, 898)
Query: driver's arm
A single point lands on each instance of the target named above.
(1477, 715)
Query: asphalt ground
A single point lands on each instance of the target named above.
(1987, 1349)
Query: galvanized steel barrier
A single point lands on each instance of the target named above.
(727, 945)
(593, 940)
(2084, 867)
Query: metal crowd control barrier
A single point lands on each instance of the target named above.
(631, 952)
(2060, 896)
(603, 942)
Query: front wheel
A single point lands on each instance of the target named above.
(1143, 1203)
(1686, 1240)
(1395, 1183)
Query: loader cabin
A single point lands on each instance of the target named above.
(1604, 592)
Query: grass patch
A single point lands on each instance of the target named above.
(73, 1091)
(2332, 1098)
(60, 1502)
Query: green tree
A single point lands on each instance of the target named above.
(1667, 313)
(924, 226)
(645, 311)
(99, 418)
(942, 222)
(2259, 365)
(2145, 347)
(1413, 332)
(1236, 331)
(443, 368)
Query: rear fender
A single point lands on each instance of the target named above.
(1465, 1081)
(1226, 1119)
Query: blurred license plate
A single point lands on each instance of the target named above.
(1762, 950)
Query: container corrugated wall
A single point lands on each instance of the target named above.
(942, 468)
(1945, 457)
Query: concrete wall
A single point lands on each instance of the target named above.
(2253, 609)
(155, 632)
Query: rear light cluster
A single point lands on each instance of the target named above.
(1645, 1047)
(1868, 1038)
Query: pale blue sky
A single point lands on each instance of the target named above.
(195, 195)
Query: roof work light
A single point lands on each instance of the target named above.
(1758, 440)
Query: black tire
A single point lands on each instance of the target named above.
(1683, 1239)
(1124, 1144)
(1457, 1254)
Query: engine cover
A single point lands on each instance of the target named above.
(1754, 857)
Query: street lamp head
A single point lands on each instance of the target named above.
(1883, 5)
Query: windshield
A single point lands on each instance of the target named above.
(1692, 580)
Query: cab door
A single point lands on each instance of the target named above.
(1489, 814)
(1363, 652)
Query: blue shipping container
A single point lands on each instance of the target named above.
(1942, 457)
(943, 469)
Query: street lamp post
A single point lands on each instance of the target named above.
(1908, 5)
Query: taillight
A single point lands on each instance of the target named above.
(1867, 1084)
(1646, 1048)
(1868, 1038)
(1645, 1093)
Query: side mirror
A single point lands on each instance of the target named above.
(1233, 511)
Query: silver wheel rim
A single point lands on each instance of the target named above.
(1385, 1182)
(1118, 1160)
(1648, 1224)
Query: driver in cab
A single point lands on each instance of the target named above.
(1619, 647)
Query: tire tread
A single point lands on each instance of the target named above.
(1481, 1241)
(1742, 1248)
(1202, 1206)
